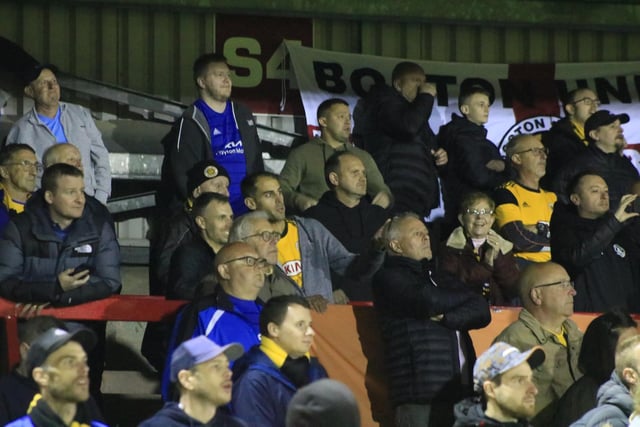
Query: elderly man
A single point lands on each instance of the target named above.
(392, 123)
(231, 313)
(604, 157)
(52, 122)
(193, 261)
(594, 245)
(63, 153)
(255, 229)
(616, 396)
(523, 209)
(424, 317)
(267, 377)
(566, 139)
(57, 360)
(200, 368)
(503, 376)
(18, 179)
(307, 251)
(302, 177)
(547, 296)
(213, 127)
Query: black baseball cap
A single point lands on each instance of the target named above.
(55, 338)
(32, 72)
(602, 118)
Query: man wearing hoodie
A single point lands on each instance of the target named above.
(503, 376)
(200, 369)
(615, 397)
(348, 215)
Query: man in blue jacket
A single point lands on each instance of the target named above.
(267, 377)
(213, 127)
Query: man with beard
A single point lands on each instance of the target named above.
(594, 245)
(200, 369)
(604, 157)
(547, 295)
(57, 361)
(503, 376)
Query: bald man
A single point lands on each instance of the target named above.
(232, 312)
(63, 153)
(547, 295)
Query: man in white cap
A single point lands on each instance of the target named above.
(57, 360)
(200, 369)
(502, 375)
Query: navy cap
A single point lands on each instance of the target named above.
(55, 338)
(203, 171)
(602, 118)
(32, 72)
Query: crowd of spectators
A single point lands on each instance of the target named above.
(551, 226)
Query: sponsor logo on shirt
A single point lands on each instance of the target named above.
(292, 268)
(233, 147)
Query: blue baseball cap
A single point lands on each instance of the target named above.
(199, 350)
(500, 358)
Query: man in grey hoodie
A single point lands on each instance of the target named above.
(615, 397)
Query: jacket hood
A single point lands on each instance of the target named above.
(614, 392)
(469, 413)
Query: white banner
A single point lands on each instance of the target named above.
(526, 95)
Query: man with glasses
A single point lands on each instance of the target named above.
(307, 251)
(547, 293)
(191, 272)
(523, 208)
(566, 139)
(19, 170)
(231, 313)
(255, 229)
(596, 245)
(604, 156)
(53, 122)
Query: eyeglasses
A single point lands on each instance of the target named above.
(566, 284)
(26, 164)
(535, 150)
(588, 102)
(267, 236)
(481, 212)
(250, 261)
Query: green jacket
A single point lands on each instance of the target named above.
(302, 176)
(560, 367)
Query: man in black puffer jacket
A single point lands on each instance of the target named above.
(424, 317)
(392, 123)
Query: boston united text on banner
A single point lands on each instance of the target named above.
(526, 95)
